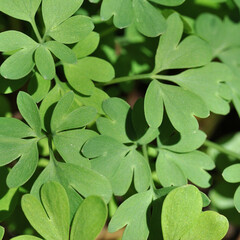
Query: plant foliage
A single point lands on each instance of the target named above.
(78, 155)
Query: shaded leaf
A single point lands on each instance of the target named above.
(38, 87)
(69, 144)
(118, 163)
(76, 180)
(133, 215)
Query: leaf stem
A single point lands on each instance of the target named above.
(145, 154)
(221, 149)
(139, 77)
(35, 29)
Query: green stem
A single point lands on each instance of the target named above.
(221, 149)
(145, 154)
(139, 77)
(35, 29)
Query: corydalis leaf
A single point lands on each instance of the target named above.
(20, 9)
(182, 217)
(231, 174)
(141, 12)
(118, 163)
(75, 179)
(86, 70)
(133, 215)
(52, 220)
(172, 97)
(20, 63)
(173, 54)
(14, 145)
(174, 169)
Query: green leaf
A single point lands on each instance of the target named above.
(124, 10)
(133, 215)
(64, 53)
(38, 87)
(47, 106)
(90, 68)
(25, 167)
(24, 10)
(18, 65)
(221, 35)
(45, 63)
(175, 141)
(115, 125)
(182, 217)
(118, 163)
(26, 237)
(86, 45)
(141, 12)
(13, 127)
(191, 52)
(153, 105)
(175, 169)
(203, 228)
(29, 112)
(9, 197)
(14, 40)
(143, 133)
(124, 124)
(231, 174)
(169, 2)
(50, 218)
(210, 77)
(57, 11)
(89, 219)
(72, 30)
(145, 15)
(76, 180)
(64, 119)
(69, 144)
(2, 230)
(181, 106)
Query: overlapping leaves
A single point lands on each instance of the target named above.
(19, 140)
(66, 127)
(189, 99)
(231, 175)
(51, 216)
(88, 69)
(110, 156)
(59, 25)
(147, 18)
(178, 160)
(180, 213)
